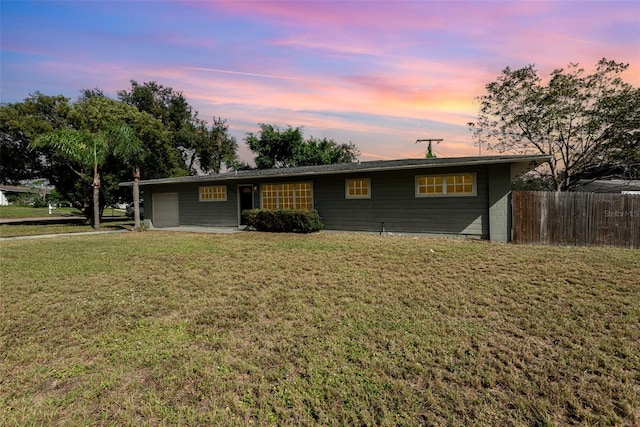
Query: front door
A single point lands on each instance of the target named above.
(245, 200)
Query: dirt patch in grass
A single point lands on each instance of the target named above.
(171, 328)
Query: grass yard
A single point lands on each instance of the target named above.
(326, 329)
(14, 230)
(29, 212)
(112, 219)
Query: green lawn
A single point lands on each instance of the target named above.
(28, 212)
(112, 219)
(15, 230)
(163, 328)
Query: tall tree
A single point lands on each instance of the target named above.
(128, 147)
(589, 123)
(135, 140)
(83, 151)
(324, 151)
(99, 130)
(100, 141)
(93, 113)
(20, 123)
(203, 148)
(213, 147)
(276, 148)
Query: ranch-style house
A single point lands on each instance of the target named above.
(457, 196)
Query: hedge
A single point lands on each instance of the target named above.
(283, 220)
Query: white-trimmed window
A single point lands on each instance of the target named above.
(463, 184)
(213, 193)
(357, 188)
(297, 195)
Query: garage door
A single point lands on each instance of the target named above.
(166, 210)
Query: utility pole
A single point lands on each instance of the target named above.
(430, 154)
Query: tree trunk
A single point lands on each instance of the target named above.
(96, 201)
(136, 198)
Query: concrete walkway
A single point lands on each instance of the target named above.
(50, 220)
(200, 229)
(182, 228)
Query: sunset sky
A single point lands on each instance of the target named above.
(380, 74)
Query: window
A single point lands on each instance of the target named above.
(216, 193)
(269, 196)
(287, 196)
(286, 200)
(358, 188)
(446, 185)
(430, 185)
(304, 199)
(460, 184)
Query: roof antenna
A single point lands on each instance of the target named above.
(430, 154)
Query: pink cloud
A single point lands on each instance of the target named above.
(316, 13)
(261, 101)
(380, 73)
(383, 16)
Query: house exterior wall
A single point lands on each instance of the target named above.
(394, 205)
(499, 203)
(210, 213)
(194, 212)
(393, 202)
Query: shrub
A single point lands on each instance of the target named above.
(39, 203)
(283, 220)
(24, 199)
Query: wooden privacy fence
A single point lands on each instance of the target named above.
(576, 218)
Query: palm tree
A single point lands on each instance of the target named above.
(129, 148)
(85, 151)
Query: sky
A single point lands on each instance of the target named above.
(378, 74)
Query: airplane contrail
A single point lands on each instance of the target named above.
(241, 73)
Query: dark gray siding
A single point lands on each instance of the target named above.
(146, 194)
(194, 212)
(393, 202)
(499, 203)
(219, 213)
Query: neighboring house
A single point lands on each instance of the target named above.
(464, 196)
(624, 186)
(9, 191)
